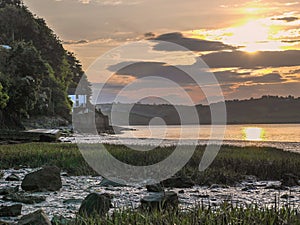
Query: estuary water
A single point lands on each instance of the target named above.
(283, 136)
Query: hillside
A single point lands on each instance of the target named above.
(267, 109)
(36, 72)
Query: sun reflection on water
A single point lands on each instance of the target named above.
(254, 134)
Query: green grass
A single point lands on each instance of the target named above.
(231, 164)
(224, 215)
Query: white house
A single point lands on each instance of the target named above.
(79, 101)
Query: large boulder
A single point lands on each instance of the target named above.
(10, 211)
(46, 179)
(160, 201)
(36, 218)
(178, 182)
(95, 204)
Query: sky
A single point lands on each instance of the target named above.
(251, 47)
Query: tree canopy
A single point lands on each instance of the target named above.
(36, 72)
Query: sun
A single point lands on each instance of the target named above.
(250, 35)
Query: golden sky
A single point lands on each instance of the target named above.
(253, 47)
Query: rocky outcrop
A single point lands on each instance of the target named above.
(95, 204)
(10, 211)
(36, 218)
(46, 179)
(160, 201)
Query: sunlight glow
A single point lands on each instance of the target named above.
(253, 134)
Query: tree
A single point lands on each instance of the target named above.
(3, 98)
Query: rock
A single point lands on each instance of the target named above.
(181, 192)
(250, 179)
(276, 187)
(46, 179)
(290, 180)
(108, 183)
(178, 182)
(72, 201)
(217, 186)
(10, 211)
(36, 218)
(95, 204)
(26, 199)
(286, 196)
(9, 190)
(155, 188)
(12, 177)
(160, 201)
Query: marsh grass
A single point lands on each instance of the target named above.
(230, 165)
(224, 215)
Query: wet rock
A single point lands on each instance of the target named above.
(218, 186)
(12, 177)
(249, 187)
(23, 198)
(178, 182)
(290, 180)
(108, 183)
(46, 179)
(36, 218)
(250, 179)
(286, 196)
(9, 190)
(95, 204)
(155, 188)
(181, 192)
(160, 201)
(276, 187)
(72, 201)
(10, 211)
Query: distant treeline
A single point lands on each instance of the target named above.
(267, 109)
(36, 72)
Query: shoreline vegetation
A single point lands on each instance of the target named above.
(231, 166)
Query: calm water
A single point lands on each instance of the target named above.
(284, 136)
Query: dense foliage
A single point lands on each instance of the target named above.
(36, 72)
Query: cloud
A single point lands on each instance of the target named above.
(237, 78)
(287, 19)
(192, 44)
(111, 2)
(239, 59)
(156, 69)
(291, 41)
(72, 42)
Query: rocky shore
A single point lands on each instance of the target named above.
(47, 194)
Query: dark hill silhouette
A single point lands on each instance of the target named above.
(267, 109)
